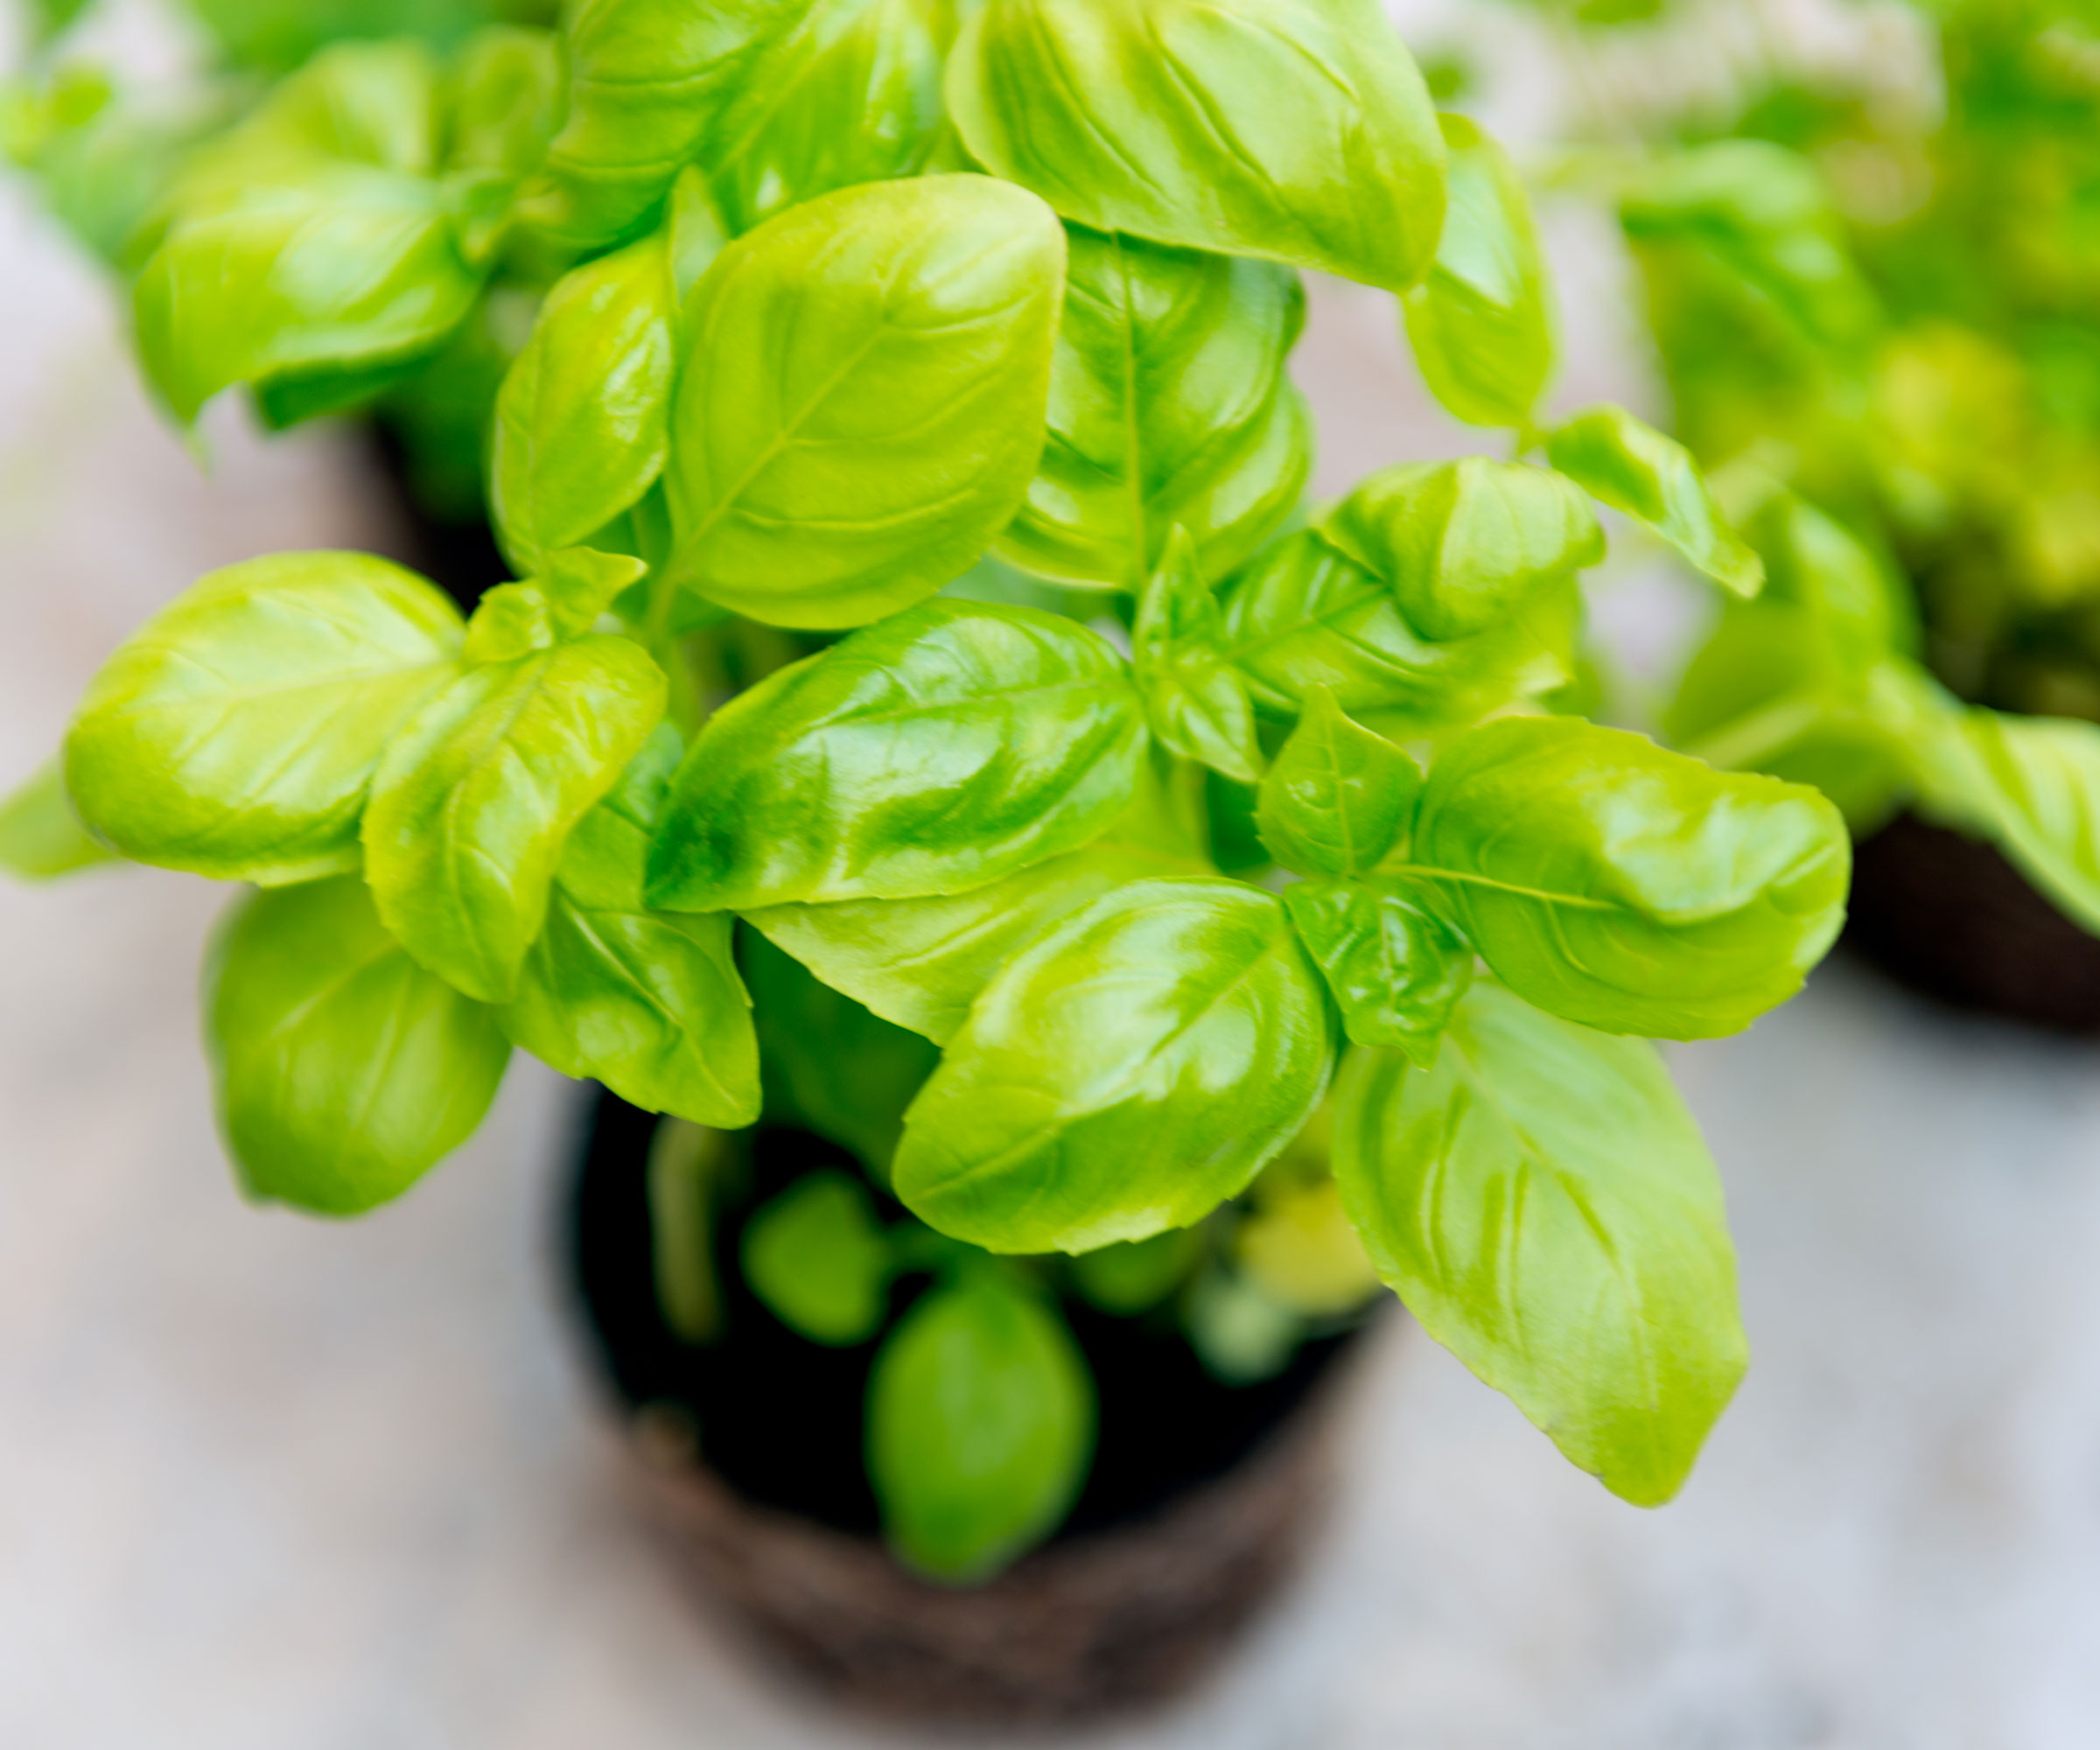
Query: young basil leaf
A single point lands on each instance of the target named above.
(1481, 323)
(314, 239)
(1306, 615)
(41, 837)
(345, 1072)
(1542, 1201)
(921, 962)
(510, 621)
(581, 583)
(1339, 800)
(852, 94)
(1396, 967)
(936, 751)
(474, 799)
(502, 101)
(860, 407)
(1634, 468)
(830, 1065)
(1627, 888)
(980, 1427)
(2031, 784)
(1123, 1075)
(1196, 701)
(1462, 544)
(1815, 563)
(1169, 403)
(582, 419)
(816, 1255)
(647, 1002)
(237, 732)
(1217, 124)
(648, 81)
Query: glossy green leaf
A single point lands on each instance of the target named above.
(1197, 701)
(937, 751)
(1169, 404)
(1542, 1201)
(852, 94)
(1481, 323)
(1625, 888)
(576, 585)
(1462, 544)
(980, 1427)
(41, 837)
(1395, 966)
(648, 80)
(647, 1002)
(345, 1072)
(1653, 479)
(816, 1255)
(1339, 800)
(860, 407)
(475, 798)
(502, 101)
(1296, 130)
(921, 962)
(1124, 1073)
(1306, 615)
(583, 421)
(831, 1066)
(236, 734)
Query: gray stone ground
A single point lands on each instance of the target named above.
(271, 1485)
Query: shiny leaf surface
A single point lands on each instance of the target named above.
(1339, 800)
(937, 751)
(236, 734)
(1542, 1201)
(860, 407)
(1396, 968)
(1124, 1073)
(1196, 701)
(1296, 130)
(344, 1071)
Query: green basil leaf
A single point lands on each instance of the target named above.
(647, 1002)
(1462, 544)
(936, 751)
(1481, 323)
(1123, 1075)
(647, 82)
(1396, 968)
(1306, 615)
(41, 837)
(1815, 563)
(852, 94)
(1634, 468)
(1339, 800)
(345, 1072)
(817, 1257)
(237, 732)
(921, 962)
(1625, 888)
(860, 407)
(1169, 403)
(1196, 701)
(582, 425)
(831, 1066)
(1297, 131)
(2031, 784)
(472, 803)
(980, 1428)
(1542, 1201)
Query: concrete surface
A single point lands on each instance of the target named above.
(267, 1484)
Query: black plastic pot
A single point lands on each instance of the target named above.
(1198, 1503)
(1949, 916)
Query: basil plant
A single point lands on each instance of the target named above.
(918, 625)
(1877, 320)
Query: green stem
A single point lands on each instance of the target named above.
(1750, 740)
(682, 1158)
